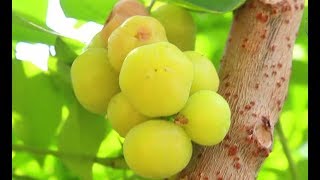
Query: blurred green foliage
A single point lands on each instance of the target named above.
(45, 113)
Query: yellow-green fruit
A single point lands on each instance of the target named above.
(122, 114)
(205, 74)
(134, 32)
(157, 79)
(94, 80)
(97, 42)
(179, 25)
(157, 149)
(206, 117)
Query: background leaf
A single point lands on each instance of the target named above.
(212, 6)
(81, 134)
(28, 31)
(88, 10)
(67, 50)
(36, 103)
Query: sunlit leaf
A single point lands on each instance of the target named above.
(81, 134)
(37, 103)
(212, 6)
(30, 31)
(88, 10)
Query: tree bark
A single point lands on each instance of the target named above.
(254, 77)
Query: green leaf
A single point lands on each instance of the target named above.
(35, 9)
(211, 6)
(67, 49)
(88, 10)
(29, 22)
(31, 31)
(81, 134)
(36, 104)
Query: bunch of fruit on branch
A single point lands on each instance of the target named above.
(141, 72)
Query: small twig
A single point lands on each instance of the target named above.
(151, 5)
(286, 150)
(117, 162)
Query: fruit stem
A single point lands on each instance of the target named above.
(151, 5)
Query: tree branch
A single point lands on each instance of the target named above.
(254, 77)
(286, 150)
(117, 162)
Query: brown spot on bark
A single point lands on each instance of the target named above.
(227, 94)
(279, 102)
(265, 152)
(279, 65)
(237, 165)
(220, 178)
(283, 79)
(226, 77)
(289, 45)
(287, 21)
(235, 96)
(252, 103)
(262, 18)
(301, 6)
(278, 84)
(254, 114)
(266, 122)
(233, 150)
(274, 11)
(227, 137)
(252, 5)
(296, 6)
(227, 84)
(247, 107)
(249, 139)
(256, 86)
(241, 112)
(249, 130)
(266, 75)
(274, 73)
(236, 158)
(288, 38)
(273, 48)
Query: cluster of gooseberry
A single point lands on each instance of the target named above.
(141, 72)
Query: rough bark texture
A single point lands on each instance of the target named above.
(254, 77)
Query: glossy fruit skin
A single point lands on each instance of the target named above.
(208, 117)
(122, 115)
(157, 149)
(93, 79)
(179, 25)
(122, 11)
(157, 79)
(97, 42)
(205, 74)
(134, 32)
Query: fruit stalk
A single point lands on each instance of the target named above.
(254, 75)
